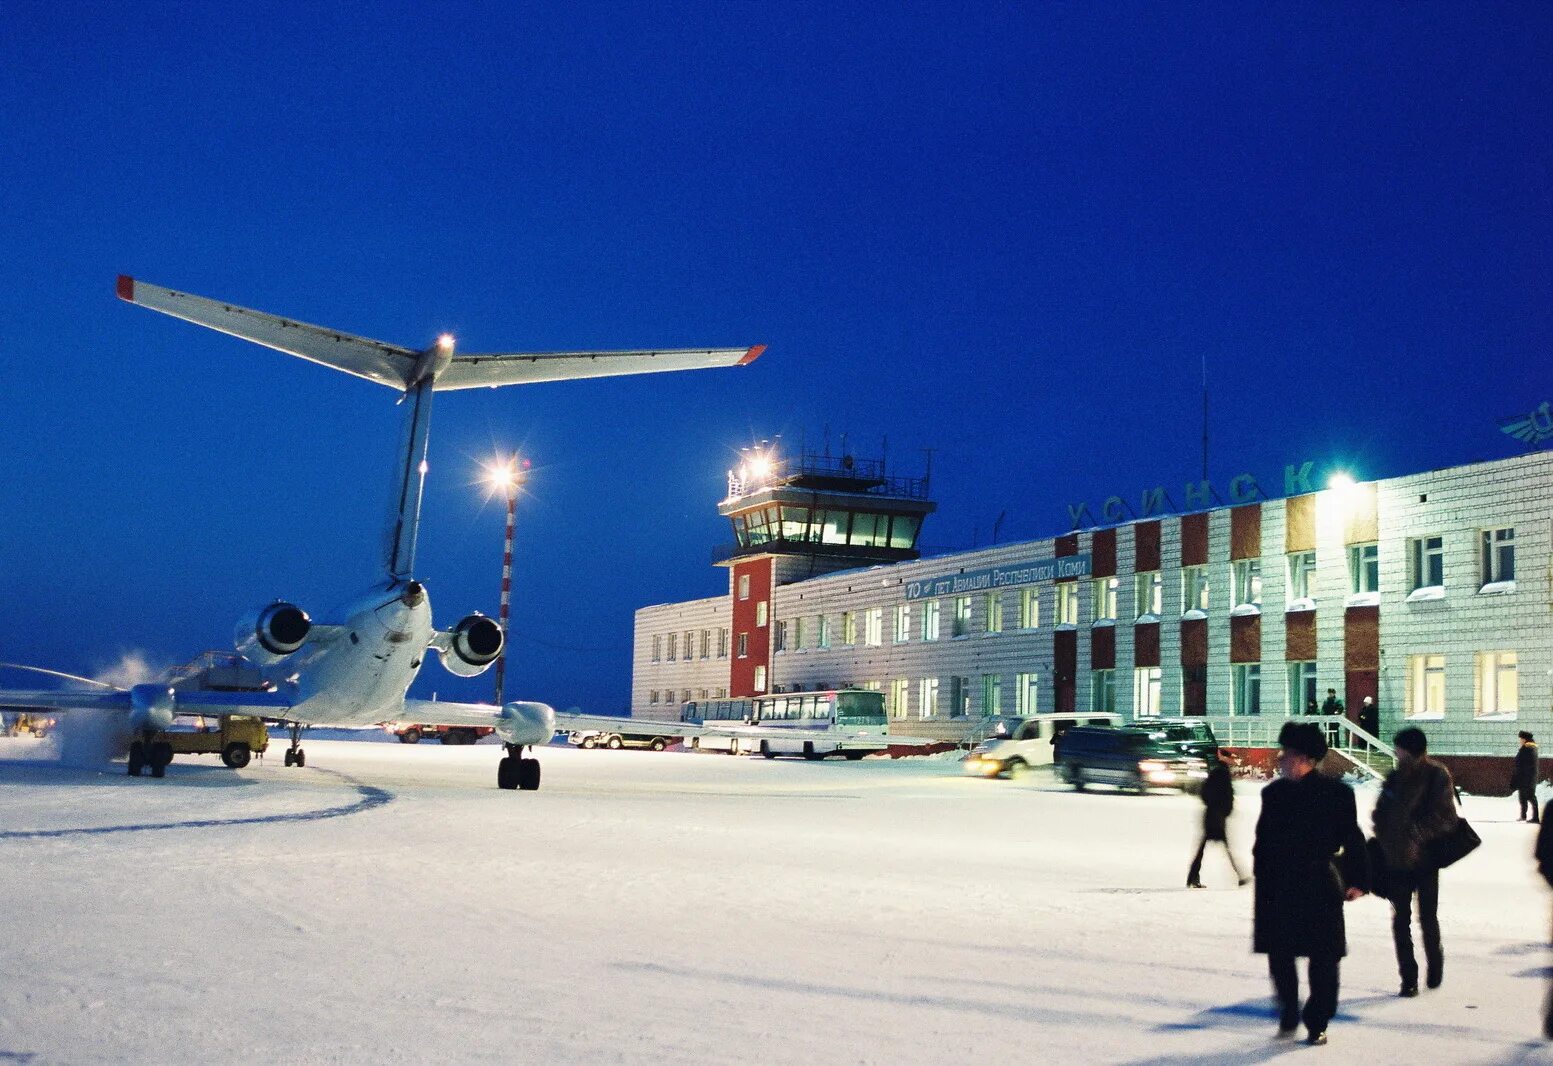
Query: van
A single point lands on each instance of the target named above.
(1017, 744)
(1137, 757)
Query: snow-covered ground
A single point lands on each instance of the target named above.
(389, 904)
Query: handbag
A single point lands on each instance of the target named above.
(1452, 846)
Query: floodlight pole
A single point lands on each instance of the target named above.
(511, 489)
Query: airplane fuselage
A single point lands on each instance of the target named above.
(357, 673)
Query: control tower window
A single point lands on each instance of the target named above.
(795, 524)
(832, 526)
(903, 530)
(870, 530)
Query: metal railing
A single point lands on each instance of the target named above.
(1348, 739)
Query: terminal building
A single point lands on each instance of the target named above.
(1431, 594)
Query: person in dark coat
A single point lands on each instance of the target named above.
(1218, 797)
(1369, 716)
(1416, 805)
(1545, 868)
(1333, 705)
(1524, 779)
(1309, 859)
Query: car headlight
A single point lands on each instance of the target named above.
(1151, 766)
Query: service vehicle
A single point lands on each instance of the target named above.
(1019, 744)
(846, 722)
(414, 732)
(29, 724)
(237, 738)
(1129, 757)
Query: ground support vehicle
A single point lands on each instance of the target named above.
(616, 741)
(413, 732)
(1019, 744)
(1130, 757)
(235, 737)
(29, 724)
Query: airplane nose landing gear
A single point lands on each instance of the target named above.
(516, 772)
(295, 756)
(153, 755)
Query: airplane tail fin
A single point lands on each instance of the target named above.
(409, 483)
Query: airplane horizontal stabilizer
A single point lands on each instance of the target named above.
(517, 368)
(385, 364)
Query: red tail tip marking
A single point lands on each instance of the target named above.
(752, 355)
(126, 288)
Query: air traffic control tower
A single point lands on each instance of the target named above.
(795, 519)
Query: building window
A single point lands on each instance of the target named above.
(744, 586)
(673, 647)
(1498, 556)
(927, 697)
(1149, 594)
(1426, 563)
(760, 679)
(652, 697)
(721, 694)
(722, 644)
(1146, 692)
(849, 628)
(873, 626)
(1248, 688)
(898, 696)
(930, 620)
(1194, 589)
(1425, 686)
(1302, 687)
(961, 625)
(1248, 583)
(1302, 578)
(761, 613)
(902, 623)
(779, 636)
(1363, 568)
(1102, 691)
(1498, 687)
(702, 694)
(1067, 603)
(959, 697)
(994, 612)
(1026, 689)
(657, 649)
(744, 645)
(1029, 608)
(798, 634)
(1105, 598)
(822, 631)
(991, 695)
(706, 644)
(684, 695)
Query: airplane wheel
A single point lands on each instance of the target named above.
(236, 755)
(301, 757)
(137, 758)
(409, 736)
(695, 743)
(615, 744)
(528, 775)
(160, 755)
(507, 773)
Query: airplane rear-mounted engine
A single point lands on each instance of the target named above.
(471, 646)
(273, 633)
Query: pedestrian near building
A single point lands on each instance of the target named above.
(1218, 797)
(1524, 777)
(1369, 716)
(1416, 805)
(1332, 705)
(1309, 858)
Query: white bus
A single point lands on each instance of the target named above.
(848, 722)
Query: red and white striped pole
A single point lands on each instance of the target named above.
(513, 477)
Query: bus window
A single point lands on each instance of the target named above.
(807, 708)
(860, 708)
(825, 707)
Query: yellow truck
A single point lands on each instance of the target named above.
(235, 737)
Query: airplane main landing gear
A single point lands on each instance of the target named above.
(517, 772)
(295, 756)
(152, 755)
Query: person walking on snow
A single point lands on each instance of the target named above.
(1416, 805)
(1308, 824)
(1218, 797)
(1524, 778)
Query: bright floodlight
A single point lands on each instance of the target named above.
(445, 341)
(760, 468)
(1340, 481)
(501, 474)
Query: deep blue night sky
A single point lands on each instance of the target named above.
(1011, 235)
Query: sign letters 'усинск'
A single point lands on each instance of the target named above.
(1243, 488)
(997, 577)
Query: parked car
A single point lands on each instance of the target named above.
(413, 732)
(1132, 757)
(1017, 744)
(592, 739)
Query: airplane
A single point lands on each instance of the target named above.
(356, 669)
